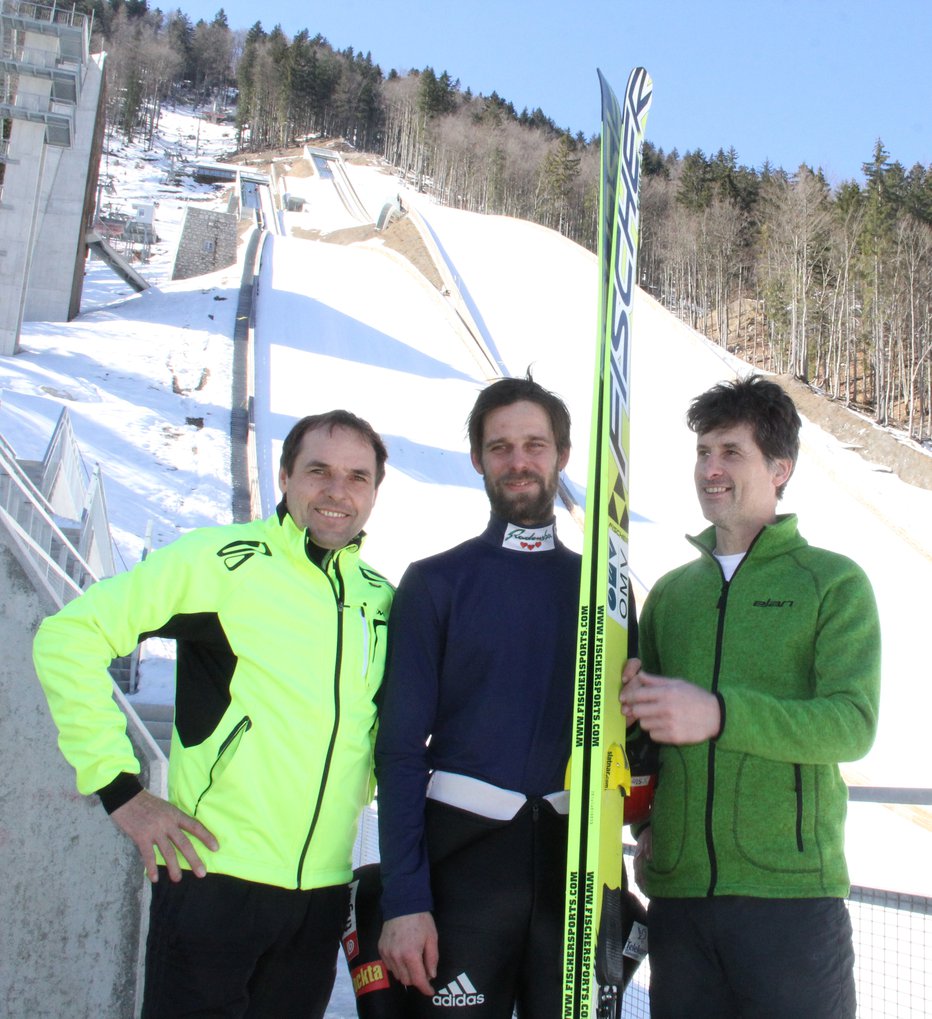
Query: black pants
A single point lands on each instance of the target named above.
(734, 956)
(498, 904)
(222, 948)
(380, 996)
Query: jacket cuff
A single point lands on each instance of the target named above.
(121, 790)
(721, 708)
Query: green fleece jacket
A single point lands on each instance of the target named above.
(279, 660)
(791, 647)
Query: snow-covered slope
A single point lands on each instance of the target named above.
(357, 326)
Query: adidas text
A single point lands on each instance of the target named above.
(447, 1000)
(459, 993)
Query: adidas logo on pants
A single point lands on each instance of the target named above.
(458, 993)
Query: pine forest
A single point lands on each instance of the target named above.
(832, 285)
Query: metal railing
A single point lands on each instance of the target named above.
(63, 481)
(64, 561)
(60, 480)
(34, 102)
(51, 13)
(35, 57)
(46, 549)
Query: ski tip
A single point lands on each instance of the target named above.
(637, 75)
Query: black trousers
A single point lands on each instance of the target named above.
(527, 975)
(222, 948)
(733, 956)
(498, 904)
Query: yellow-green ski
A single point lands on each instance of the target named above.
(599, 776)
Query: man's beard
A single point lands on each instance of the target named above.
(527, 508)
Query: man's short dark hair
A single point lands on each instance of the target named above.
(754, 401)
(330, 420)
(505, 392)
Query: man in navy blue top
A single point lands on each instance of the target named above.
(474, 735)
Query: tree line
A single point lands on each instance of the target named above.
(833, 285)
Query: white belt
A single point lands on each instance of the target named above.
(485, 799)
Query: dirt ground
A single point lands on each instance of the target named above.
(400, 235)
(876, 445)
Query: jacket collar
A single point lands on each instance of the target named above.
(300, 541)
(773, 539)
(502, 534)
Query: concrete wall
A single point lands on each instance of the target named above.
(21, 185)
(73, 897)
(67, 185)
(208, 243)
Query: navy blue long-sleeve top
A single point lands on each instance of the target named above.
(481, 661)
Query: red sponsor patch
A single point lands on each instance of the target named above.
(350, 946)
(371, 976)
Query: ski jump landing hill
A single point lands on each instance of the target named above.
(356, 325)
(323, 189)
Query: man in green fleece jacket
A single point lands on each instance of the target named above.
(759, 673)
(281, 635)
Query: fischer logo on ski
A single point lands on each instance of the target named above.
(596, 931)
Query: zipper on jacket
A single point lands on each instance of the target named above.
(365, 640)
(721, 607)
(799, 806)
(370, 648)
(338, 593)
(377, 626)
(243, 725)
(710, 776)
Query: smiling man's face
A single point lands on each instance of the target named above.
(737, 485)
(520, 463)
(331, 490)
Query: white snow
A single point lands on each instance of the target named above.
(357, 326)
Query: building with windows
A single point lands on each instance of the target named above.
(51, 133)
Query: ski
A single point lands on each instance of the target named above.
(593, 977)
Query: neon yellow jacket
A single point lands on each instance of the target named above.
(279, 660)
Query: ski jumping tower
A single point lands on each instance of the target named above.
(51, 130)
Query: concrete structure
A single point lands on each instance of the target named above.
(120, 265)
(72, 891)
(208, 243)
(73, 896)
(51, 108)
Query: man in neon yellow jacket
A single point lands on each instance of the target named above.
(281, 635)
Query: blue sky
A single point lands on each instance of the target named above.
(815, 81)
